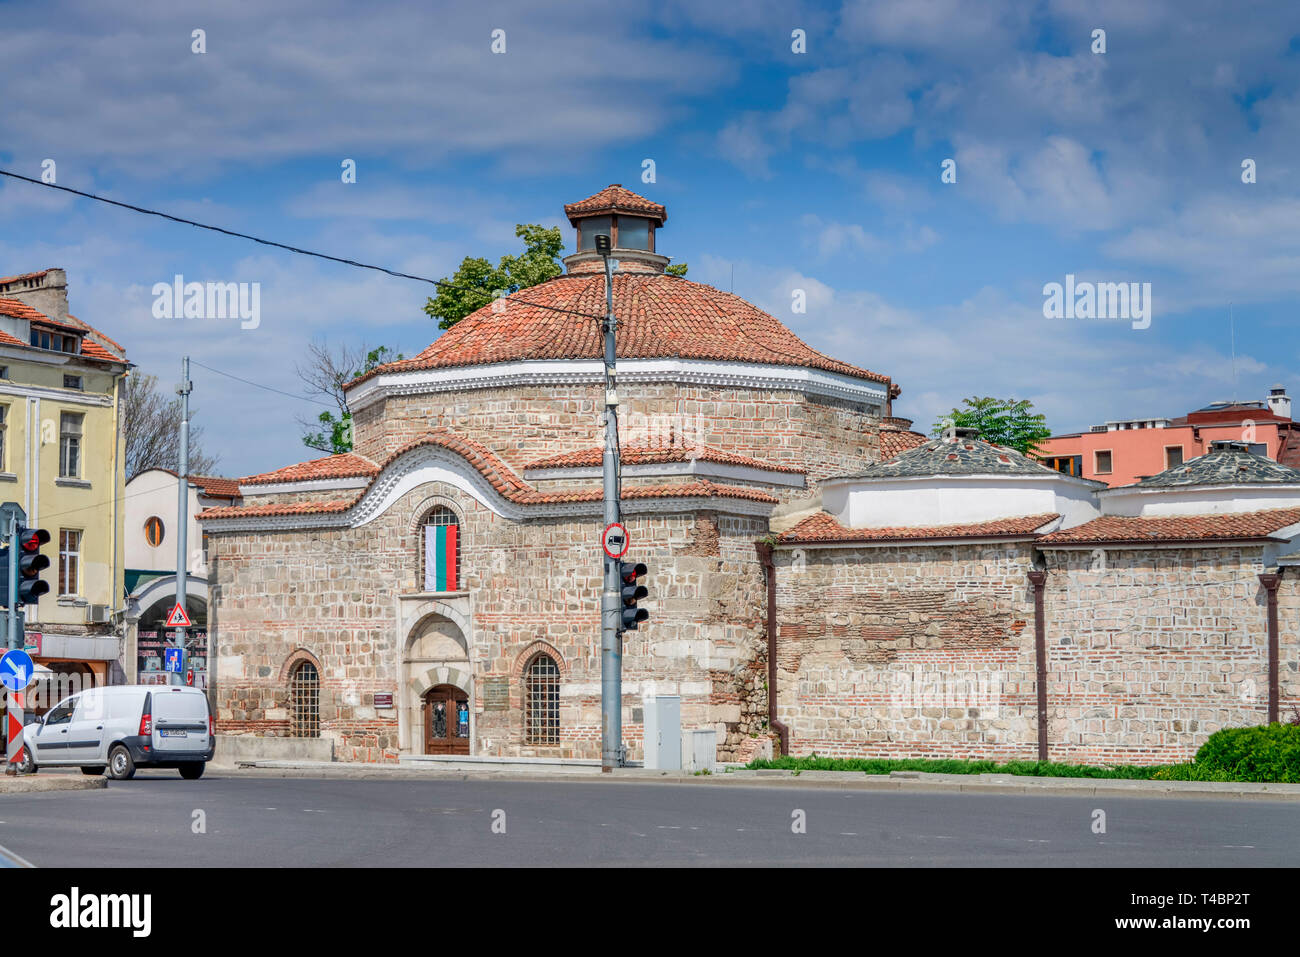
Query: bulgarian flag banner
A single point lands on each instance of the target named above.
(440, 557)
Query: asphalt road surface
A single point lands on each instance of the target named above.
(256, 821)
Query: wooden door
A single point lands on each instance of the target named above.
(446, 721)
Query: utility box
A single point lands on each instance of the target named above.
(663, 732)
(700, 750)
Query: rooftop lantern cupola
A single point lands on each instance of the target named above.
(628, 219)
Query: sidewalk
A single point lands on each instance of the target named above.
(30, 783)
(541, 770)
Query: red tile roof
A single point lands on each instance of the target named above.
(615, 199)
(347, 465)
(489, 465)
(1126, 530)
(27, 275)
(892, 442)
(215, 486)
(654, 454)
(121, 350)
(20, 310)
(660, 316)
(823, 529)
(279, 508)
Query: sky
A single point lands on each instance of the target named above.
(785, 165)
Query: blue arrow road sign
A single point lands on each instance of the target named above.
(173, 659)
(16, 670)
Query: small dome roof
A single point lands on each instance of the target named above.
(964, 456)
(1227, 463)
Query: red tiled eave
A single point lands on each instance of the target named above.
(823, 529)
(491, 467)
(1134, 530)
(616, 198)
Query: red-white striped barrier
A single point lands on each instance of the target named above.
(15, 705)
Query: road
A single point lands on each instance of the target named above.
(263, 821)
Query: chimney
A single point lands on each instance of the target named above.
(1279, 403)
(46, 292)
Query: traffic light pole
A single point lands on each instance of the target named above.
(182, 500)
(14, 625)
(611, 604)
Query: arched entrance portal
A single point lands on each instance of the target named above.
(446, 720)
(437, 669)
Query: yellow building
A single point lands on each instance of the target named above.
(61, 459)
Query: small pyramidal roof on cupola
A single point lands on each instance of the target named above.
(1227, 463)
(615, 199)
(630, 221)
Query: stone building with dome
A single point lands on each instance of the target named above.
(820, 576)
(450, 564)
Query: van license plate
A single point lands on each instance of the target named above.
(174, 734)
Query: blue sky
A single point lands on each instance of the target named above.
(817, 171)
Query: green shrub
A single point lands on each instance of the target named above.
(1266, 753)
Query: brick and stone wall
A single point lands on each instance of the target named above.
(928, 651)
(352, 601)
(907, 651)
(1153, 650)
(825, 436)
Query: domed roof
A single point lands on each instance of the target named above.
(1227, 463)
(659, 316)
(965, 455)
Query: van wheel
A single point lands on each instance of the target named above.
(27, 765)
(92, 769)
(192, 772)
(120, 765)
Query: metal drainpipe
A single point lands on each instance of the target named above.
(1270, 583)
(769, 571)
(1038, 579)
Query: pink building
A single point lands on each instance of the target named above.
(1122, 452)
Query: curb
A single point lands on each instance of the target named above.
(33, 783)
(910, 782)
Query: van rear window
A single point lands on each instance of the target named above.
(179, 706)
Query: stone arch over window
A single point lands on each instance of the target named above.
(536, 648)
(298, 656)
(439, 544)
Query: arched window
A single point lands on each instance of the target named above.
(304, 701)
(542, 701)
(440, 551)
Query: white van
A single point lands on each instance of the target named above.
(124, 727)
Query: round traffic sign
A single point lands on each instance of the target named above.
(16, 669)
(615, 541)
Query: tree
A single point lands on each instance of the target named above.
(677, 269)
(325, 373)
(152, 427)
(477, 282)
(1008, 422)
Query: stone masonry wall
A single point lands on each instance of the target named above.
(907, 651)
(521, 424)
(280, 596)
(1151, 651)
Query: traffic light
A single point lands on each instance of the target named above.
(628, 573)
(30, 565)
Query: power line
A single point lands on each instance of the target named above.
(258, 385)
(440, 283)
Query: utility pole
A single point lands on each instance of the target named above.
(611, 638)
(183, 501)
